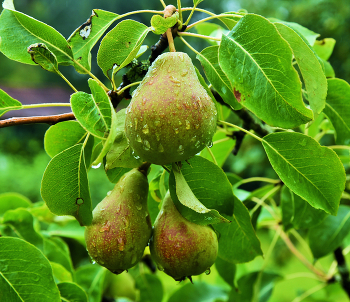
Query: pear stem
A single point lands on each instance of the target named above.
(170, 40)
(144, 168)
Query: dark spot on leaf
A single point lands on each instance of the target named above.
(237, 94)
(79, 201)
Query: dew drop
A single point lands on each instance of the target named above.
(210, 144)
(97, 166)
(93, 262)
(157, 123)
(198, 143)
(121, 244)
(161, 268)
(138, 138)
(144, 100)
(160, 148)
(207, 272)
(196, 126)
(176, 130)
(188, 125)
(130, 124)
(193, 139)
(146, 145)
(181, 150)
(145, 129)
(150, 82)
(109, 193)
(135, 155)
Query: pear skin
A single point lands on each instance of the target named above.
(179, 247)
(171, 117)
(121, 225)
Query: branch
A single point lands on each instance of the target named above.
(50, 119)
(343, 270)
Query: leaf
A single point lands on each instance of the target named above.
(62, 136)
(8, 103)
(72, 292)
(151, 289)
(120, 46)
(230, 22)
(161, 24)
(212, 30)
(329, 235)
(25, 273)
(199, 292)
(196, 2)
(8, 4)
(91, 278)
(226, 270)
(23, 223)
(65, 187)
(258, 64)
(18, 31)
(42, 56)
(12, 200)
(115, 174)
(70, 230)
(324, 48)
(297, 213)
(93, 111)
(60, 274)
(338, 109)
(84, 38)
(210, 63)
(310, 67)
(311, 171)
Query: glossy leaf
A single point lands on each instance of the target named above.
(18, 31)
(229, 21)
(212, 30)
(120, 46)
(338, 109)
(324, 48)
(25, 273)
(93, 111)
(311, 171)
(65, 187)
(161, 24)
(226, 270)
(12, 200)
(84, 38)
(312, 71)
(60, 274)
(23, 223)
(196, 2)
(151, 289)
(62, 136)
(329, 235)
(8, 103)
(209, 60)
(199, 292)
(42, 56)
(297, 213)
(261, 73)
(71, 229)
(72, 292)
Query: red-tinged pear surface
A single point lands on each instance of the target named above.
(179, 247)
(121, 225)
(171, 117)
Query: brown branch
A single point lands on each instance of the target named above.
(50, 119)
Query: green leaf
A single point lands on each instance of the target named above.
(297, 213)
(72, 292)
(226, 270)
(220, 150)
(310, 67)
(93, 111)
(23, 223)
(25, 273)
(18, 31)
(151, 289)
(196, 2)
(42, 56)
(247, 285)
(261, 73)
(8, 103)
(324, 48)
(11, 201)
(161, 24)
(311, 171)
(70, 230)
(329, 235)
(62, 136)
(120, 46)
(65, 187)
(92, 278)
(199, 292)
(210, 63)
(338, 109)
(84, 38)
(212, 30)
(115, 174)
(231, 22)
(60, 274)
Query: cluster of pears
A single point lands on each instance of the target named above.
(121, 229)
(171, 117)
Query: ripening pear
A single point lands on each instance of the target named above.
(121, 225)
(170, 117)
(179, 247)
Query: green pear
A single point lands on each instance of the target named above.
(179, 247)
(121, 225)
(170, 117)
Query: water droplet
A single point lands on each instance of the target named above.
(158, 137)
(150, 82)
(135, 155)
(145, 129)
(181, 150)
(94, 244)
(194, 138)
(130, 124)
(176, 130)
(198, 143)
(196, 126)
(126, 222)
(144, 100)
(97, 166)
(121, 244)
(169, 69)
(210, 144)
(160, 148)
(105, 228)
(184, 73)
(157, 123)
(146, 145)
(93, 262)
(188, 125)
(161, 268)
(207, 272)
(138, 138)
(135, 120)
(109, 193)
(141, 118)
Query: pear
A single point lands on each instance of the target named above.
(179, 247)
(170, 117)
(121, 225)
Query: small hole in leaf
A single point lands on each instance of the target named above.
(79, 201)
